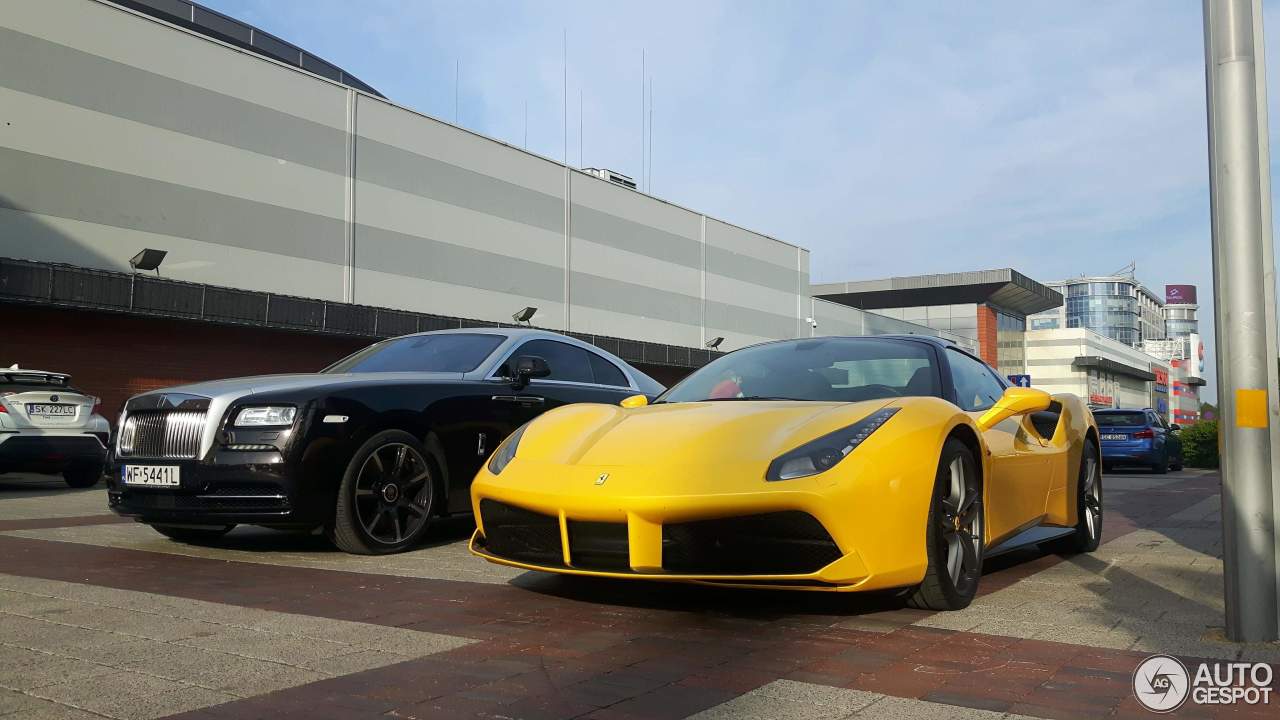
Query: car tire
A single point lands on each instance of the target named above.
(1088, 529)
(954, 535)
(192, 535)
(1176, 466)
(82, 475)
(387, 496)
(1161, 467)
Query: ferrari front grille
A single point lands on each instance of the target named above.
(599, 546)
(174, 434)
(778, 543)
(523, 535)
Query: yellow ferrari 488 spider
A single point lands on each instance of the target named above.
(838, 463)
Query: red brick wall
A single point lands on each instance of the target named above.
(116, 356)
(988, 350)
(665, 374)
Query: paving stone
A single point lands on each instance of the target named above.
(293, 629)
(111, 695)
(18, 706)
(23, 669)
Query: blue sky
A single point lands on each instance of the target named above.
(889, 138)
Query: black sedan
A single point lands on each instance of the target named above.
(370, 449)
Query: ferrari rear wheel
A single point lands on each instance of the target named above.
(953, 537)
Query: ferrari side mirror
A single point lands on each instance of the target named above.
(635, 401)
(1015, 401)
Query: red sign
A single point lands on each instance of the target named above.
(1162, 377)
(1180, 294)
(1096, 399)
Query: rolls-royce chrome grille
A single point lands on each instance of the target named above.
(174, 434)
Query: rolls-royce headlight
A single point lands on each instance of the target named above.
(266, 416)
(822, 454)
(506, 452)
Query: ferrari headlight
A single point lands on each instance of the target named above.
(822, 454)
(506, 452)
(266, 416)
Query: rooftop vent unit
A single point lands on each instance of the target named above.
(611, 176)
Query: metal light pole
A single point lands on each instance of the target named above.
(1245, 313)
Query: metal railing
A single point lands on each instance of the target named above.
(73, 286)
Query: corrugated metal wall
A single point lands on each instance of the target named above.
(120, 132)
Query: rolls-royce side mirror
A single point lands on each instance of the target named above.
(529, 367)
(634, 401)
(1175, 427)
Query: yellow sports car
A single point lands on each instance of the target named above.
(837, 463)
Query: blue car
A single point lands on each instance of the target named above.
(1138, 437)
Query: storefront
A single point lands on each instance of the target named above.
(1104, 372)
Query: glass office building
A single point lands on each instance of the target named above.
(1180, 308)
(1118, 307)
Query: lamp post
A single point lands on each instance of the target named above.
(1245, 313)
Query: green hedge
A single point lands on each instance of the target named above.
(1200, 444)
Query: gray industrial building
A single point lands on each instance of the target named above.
(261, 168)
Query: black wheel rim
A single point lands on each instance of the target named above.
(1091, 498)
(961, 525)
(394, 493)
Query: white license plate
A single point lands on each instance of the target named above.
(50, 410)
(1114, 436)
(150, 475)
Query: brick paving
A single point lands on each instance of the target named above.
(1050, 637)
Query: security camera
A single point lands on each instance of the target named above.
(812, 323)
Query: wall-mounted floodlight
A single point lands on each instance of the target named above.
(714, 343)
(525, 315)
(148, 259)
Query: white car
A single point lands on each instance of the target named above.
(48, 426)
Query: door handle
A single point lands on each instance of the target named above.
(520, 399)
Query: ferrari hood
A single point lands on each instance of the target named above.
(710, 434)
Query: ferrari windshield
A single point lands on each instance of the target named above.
(820, 369)
(447, 352)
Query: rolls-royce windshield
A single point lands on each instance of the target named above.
(454, 352)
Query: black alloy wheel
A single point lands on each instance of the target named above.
(1088, 534)
(387, 496)
(954, 536)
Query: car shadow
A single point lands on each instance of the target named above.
(997, 572)
(251, 538)
(27, 485)
(757, 604)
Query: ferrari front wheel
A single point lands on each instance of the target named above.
(953, 537)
